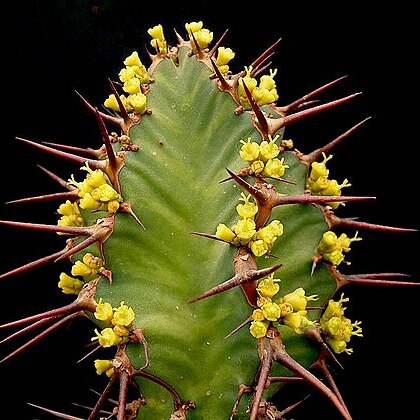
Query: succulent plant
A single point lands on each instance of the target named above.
(205, 245)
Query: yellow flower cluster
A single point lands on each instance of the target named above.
(262, 158)
(289, 309)
(337, 328)
(104, 366)
(119, 321)
(133, 75)
(70, 215)
(95, 192)
(319, 184)
(244, 231)
(82, 271)
(332, 247)
(158, 41)
(202, 36)
(264, 92)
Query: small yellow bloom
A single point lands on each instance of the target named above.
(267, 81)
(275, 168)
(95, 263)
(269, 150)
(95, 177)
(268, 286)
(262, 300)
(256, 167)
(113, 206)
(123, 315)
(224, 56)
(121, 331)
(193, 26)
(259, 247)
(68, 208)
(104, 366)
(297, 321)
(224, 233)
(248, 209)
(126, 74)
(334, 308)
(112, 103)
(156, 32)
(105, 193)
(338, 346)
(133, 60)
(258, 315)
(244, 229)
(70, 285)
(81, 269)
(258, 329)
(88, 203)
(297, 299)
(107, 337)
(103, 311)
(319, 169)
(132, 86)
(138, 102)
(250, 150)
(271, 311)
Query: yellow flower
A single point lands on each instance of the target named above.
(156, 32)
(224, 55)
(334, 308)
(123, 315)
(297, 321)
(258, 329)
(105, 193)
(319, 169)
(133, 60)
(107, 337)
(244, 229)
(70, 285)
(269, 150)
(250, 150)
(103, 311)
(95, 263)
(138, 102)
(126, 74)
(268, 286)
(94, 177)
(81, 269)
(256, 167)
(111, 103)
(132, 86)
(224, 233)
(193, 26)
(104, 366)
(259, 247)
(271, 311)
(297, 299)
(258, 315)
(275, 168)
(248, 209)
(88, 203)
(267, 80)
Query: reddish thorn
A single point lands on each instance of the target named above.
(29, 328)
(262, 122)
(70, 195)
(57, 179)
(79, 247)
(71, 230)
(112, 159)
(379, 275)
(265, 54)
(272, 379)
(293, 406)
(88, 152)
(67, 309)
(122, 396)
(33, 264)
(338, 221)
(40, 336)
(294, 105)
(255, 192)
(308, 104)
(242, 390)
(237, 280)
(207, 235)
(298, 116)
(95, 164)
(55, 413)
(379, 282)
(106, 117)
(261, 68)
(197, 47)
(316, 154)
(217, 44)
(123, 111)
(241, 325)
(125, 207)
(96, 410)
(315, 199)
(86, 407)
(222, 80)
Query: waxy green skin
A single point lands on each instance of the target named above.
(172, 183)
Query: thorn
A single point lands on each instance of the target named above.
(242, 324)
(242, 390)
(315, 199)
(262, 122)
(55, 413)
(138, 333)
(109, 413)
(95, 164)
(307, 104)
(96, 410)
(40, 336)
(56, 178)
(88, 354)
(217, 44)
(112, 159)
(79, 247)
(273, 379)
(29, 328)
(264, 56)
(106, 117)
(255, 72)
(123, 111)
(125, 207)
(69, 195)
(197, 47)
(222, 80)
(338, 221)
(88, 152)
(33, 264)
(209, 236)
(316, 154)
(237, 280)
(294, 105)
(281, 356)
(255, 192)
(278, 123)
(293, 406)
(71, 230)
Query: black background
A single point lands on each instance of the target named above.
(50, 49)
